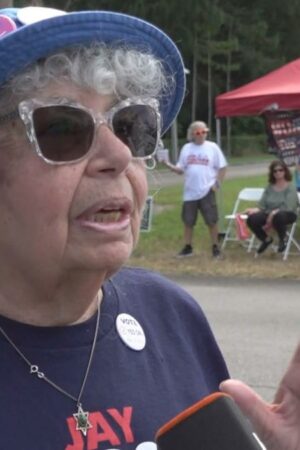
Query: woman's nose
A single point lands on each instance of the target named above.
(109, 153)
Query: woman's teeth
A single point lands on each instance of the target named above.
(107, 216)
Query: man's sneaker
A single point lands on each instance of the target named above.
(264, 245)
(215, 251)
(186, 251)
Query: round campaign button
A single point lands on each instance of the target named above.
(6, 25)
(130, 332)
(147, 446)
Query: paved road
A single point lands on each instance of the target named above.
(162, 178)
(256, 323)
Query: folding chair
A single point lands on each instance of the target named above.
(291, 241)
(247, 195)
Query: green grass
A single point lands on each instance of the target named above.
(157, 249)
(166, 232)
(250, 158)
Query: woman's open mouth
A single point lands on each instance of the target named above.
(114, 215)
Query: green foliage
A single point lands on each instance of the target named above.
(247, 144)
(228, 43)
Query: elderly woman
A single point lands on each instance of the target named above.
(93, 355)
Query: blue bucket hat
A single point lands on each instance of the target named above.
(28, 34)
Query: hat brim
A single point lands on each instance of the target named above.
(32, 42)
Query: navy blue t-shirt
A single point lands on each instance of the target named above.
(129, 394)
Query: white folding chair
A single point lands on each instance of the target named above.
(291, 241)
(247, 195)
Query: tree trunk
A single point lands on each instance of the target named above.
(228, 85)
(209, 84)
(194, 81)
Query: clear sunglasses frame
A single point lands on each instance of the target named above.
(26, 109)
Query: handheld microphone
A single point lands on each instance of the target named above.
(214, 423)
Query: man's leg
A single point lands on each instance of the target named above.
(209, 211)
(189, 217)
(214, 233)
(188, 235)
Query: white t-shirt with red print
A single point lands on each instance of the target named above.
(201, 164)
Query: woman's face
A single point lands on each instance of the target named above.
(83, 216)
(278, 172)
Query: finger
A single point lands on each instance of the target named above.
(253, 406)
(290, 381)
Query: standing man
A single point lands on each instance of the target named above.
(203, 165)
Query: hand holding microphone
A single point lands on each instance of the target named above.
(214, 423)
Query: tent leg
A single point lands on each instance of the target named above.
(218, 132)
(220, 193)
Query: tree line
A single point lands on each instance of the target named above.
(224, 43)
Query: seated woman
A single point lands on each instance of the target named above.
(277, 207)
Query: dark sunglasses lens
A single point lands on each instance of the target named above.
(137, 127)
(64, 133)
(277, 170)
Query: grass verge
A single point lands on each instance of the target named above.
(157, 249)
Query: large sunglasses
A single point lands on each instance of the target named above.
(200, 132)
(63, 132)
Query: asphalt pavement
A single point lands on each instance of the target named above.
(256, 324)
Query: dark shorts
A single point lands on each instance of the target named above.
(207, 207)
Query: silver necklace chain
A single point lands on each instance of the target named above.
(81, 417)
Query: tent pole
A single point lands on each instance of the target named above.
(218, 132)
(220, 193)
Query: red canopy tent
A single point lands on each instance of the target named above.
(279, 89)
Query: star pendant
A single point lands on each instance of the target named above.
(82, 420)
